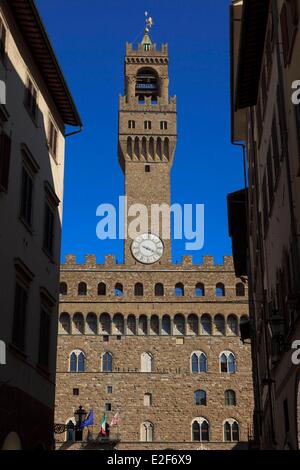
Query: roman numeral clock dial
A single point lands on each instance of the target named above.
(147, 248)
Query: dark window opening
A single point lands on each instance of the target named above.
(147, 85)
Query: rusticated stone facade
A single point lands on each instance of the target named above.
(141, 339)
(171, 382)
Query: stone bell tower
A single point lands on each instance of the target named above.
(147, 142)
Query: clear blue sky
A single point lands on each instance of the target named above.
(89, 39)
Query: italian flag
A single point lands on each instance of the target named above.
(103, 426)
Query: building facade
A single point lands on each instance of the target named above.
(266, 120)
(155, 342)
(33, 115)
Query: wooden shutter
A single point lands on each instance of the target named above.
(5, 150)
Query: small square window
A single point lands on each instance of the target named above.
(109, 389)
(107, 406)
(147, 168)
(119, 338)
(75, 391)
(105, 339)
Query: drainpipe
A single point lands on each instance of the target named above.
(74, 132)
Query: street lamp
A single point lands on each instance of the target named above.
(80, 416)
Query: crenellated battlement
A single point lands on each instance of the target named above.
(208, 264)
(132, 50)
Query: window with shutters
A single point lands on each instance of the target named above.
(52, 139)
(2, 40)
(275, 149)
(44, 342)
(26, 196)
(5, 151)
(265, 204)
(20, 312)
(31, 99)
(49, 220)
(289, 25)
(270, 178)
(50, 215)
(259, 119)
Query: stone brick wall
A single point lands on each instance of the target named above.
(171, 382)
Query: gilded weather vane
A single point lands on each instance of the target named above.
(149, 21)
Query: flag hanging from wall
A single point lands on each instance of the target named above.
(103, 426)
(89, 421)
(116, 420)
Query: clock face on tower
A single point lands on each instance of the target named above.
(147, 248)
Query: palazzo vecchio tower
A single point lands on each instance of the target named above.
(154, 345)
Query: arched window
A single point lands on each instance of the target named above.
(146, 362)
(154, 325)
(91, 322)
(166, 325)
(198, 362)
(232, 324)
(219, 321)
(118, 324)
(107, 362)
(105, 324)
(230, 398)
(192, 325)
(200, 430)
(78, 324)
(240, 289)
(200, 397)
(77, 361)
(64, 324)
(139, 289)
(147, 84)
(206, 325)
(82, 288)
(179, 325)
(119, 292)
(159, 290)
(199, 290)
(147, 432)
(228, 362)
(131, 325)
(220, 290)
(63, 288)
(179, 290)
(231, 431)
(101, 288)
(143, 325)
